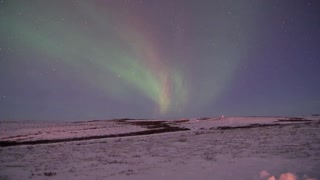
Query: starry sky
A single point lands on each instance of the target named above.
(104, 59)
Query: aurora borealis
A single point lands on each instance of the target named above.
(105, 59)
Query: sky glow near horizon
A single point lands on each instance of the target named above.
(157, 59)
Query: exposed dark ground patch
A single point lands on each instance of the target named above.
(154, 124)
(246, 127)
(154, 127)
(309, 122)
(294, 119)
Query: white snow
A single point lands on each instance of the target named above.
(288, 152)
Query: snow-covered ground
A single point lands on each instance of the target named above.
(37, 130)
(213, 148)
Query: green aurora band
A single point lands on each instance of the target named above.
(111, 49)
(80, 49)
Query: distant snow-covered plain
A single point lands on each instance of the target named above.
(248, 148)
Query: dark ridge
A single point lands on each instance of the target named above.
(180, 121)
(264, 125)
(293, 120)
(124, 119)
(161, 126)
(128, 119)
(148, 124)
(204, 118)
(246, 127)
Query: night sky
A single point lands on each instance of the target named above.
(104, 59)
